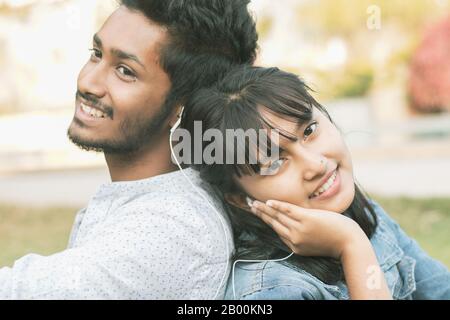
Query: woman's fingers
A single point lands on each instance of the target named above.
(281, 229)
(288, 243)
(274, 214)
(290, 210)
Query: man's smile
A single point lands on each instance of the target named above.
(89, 114)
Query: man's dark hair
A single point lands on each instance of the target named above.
(206, 39)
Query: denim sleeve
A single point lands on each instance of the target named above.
(431, 276)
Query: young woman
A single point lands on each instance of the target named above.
(304, 201)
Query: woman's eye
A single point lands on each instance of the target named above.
(310, 129)
(126, 72)
(273, 168)
(96, 54)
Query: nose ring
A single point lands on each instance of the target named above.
(322, 162)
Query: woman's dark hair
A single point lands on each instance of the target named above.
(206, 39)
(234, 103)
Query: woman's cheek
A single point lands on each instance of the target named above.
(341, 150)
(347, 157)
(286, 189)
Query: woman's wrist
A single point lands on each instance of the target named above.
(356, 243)
(363, 274)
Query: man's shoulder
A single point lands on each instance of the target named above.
(175, 198)
(181, 184)
(181, 213)
(185, 191)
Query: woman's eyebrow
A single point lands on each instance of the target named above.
(300, 123)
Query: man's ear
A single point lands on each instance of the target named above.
(237, 200)
(175, 116)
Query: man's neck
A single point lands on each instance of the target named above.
(149, 161)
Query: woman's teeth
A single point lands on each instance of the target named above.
(95, 113)
(326, 185)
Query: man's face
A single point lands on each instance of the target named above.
(122, 88)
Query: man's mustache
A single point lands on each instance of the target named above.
(108, 110)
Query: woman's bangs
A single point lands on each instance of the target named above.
(258, 147)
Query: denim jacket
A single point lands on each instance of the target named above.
(409, 272)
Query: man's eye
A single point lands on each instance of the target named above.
(96, 54)
(126, 72)
(310, 129)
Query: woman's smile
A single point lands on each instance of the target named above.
(328, 189)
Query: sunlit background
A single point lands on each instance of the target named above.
(381, 67)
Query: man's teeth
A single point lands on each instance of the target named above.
(326, 185)
(93, 112)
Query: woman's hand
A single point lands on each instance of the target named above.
(310, 232)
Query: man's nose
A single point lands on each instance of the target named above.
(92, 81)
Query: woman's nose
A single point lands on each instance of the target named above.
(312, 165)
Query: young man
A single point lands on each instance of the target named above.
(148, 234)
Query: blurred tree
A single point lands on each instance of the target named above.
(429, 86)
(356, 81)
(383, 49)
(347, 17)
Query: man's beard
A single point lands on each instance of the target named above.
(134, 134)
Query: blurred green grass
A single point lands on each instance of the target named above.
(46, 231)
(30, 230)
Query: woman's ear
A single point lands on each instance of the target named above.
(238, 200)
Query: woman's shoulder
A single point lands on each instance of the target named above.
(384, 239)
(272, 280)
(382, 215)
(387, 228)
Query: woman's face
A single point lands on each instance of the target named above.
(314, 172)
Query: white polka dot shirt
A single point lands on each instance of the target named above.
(150, 239)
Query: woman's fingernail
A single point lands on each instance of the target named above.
(269, 203)
(256, 204)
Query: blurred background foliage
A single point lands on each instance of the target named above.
(374, 57)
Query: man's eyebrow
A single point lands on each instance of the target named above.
(119, 53)
(97, 40)
(126, 56)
